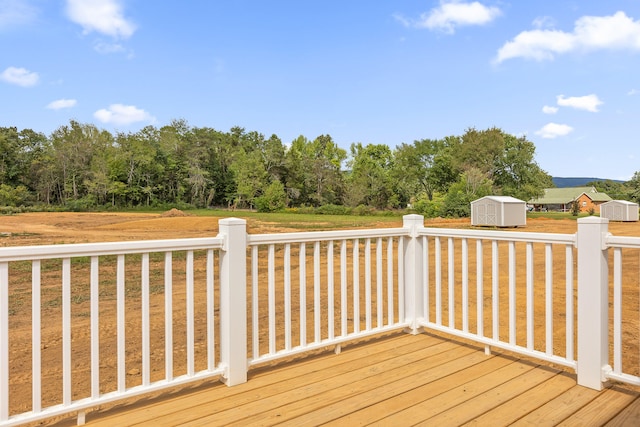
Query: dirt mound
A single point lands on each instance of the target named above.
(173, 213)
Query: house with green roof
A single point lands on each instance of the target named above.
(561, 199)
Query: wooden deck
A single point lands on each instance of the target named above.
(397, 380)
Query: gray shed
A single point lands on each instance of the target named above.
(619, 210)
(500, 211)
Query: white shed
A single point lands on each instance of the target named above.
(619, 210)
(499, 211)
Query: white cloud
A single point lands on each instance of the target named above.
(452, 14)
(102, 16)
(633, 92)
(105, 48)
(587, 102)
(401, 19)
(61, 103)
(119, 114)
(14, 13)
(590, 33)
(20, 76)
(549, 110)
(554, 130)
(543, 22)
(537, 44)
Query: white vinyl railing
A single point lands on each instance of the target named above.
(215, 307)
(499, 265)
(59, 278)
(349, 279)
(626, 252)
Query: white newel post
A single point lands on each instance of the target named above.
(593, 304)
(233, 300)
(413, 272)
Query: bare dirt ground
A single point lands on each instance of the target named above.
(67, 227)
(58, 228)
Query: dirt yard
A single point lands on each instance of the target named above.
(59, 228)
(67, 227)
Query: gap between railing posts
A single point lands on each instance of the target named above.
(593, 303)
(413, 273)
(233, 304)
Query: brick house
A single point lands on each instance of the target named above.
(561, 199)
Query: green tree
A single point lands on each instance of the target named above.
(479, 150)
(314, 171)
(273, 199)
(326, 165)
(13, 196)
(74, 147)
(472, 185)
(423, 167)
(516, 173)
(219, 152)
(575, 208)
(250, 177)
(616, 190)
(505, 160)
(21, 153)
(633, 186)
(135, 166)
(99, 182)
(173, 153)
(10, 148)
(369, 181)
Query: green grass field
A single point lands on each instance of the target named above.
(309, 222)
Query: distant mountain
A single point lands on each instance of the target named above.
(561, 182)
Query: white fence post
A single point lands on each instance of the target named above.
(593, 304)
(413, 273)
(233, 300)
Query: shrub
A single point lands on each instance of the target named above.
(363, 210)
(273, 199)
(428, 208)
(575, 208)
(330, 209)
(10, 196)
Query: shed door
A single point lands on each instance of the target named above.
(491, 214)
(617, 213)
(481, 214)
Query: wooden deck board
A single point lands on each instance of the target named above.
(602, 409)
(401, 394)
(277, 378)
(451, 399)
(493, 398)
(397, 380)
(559, 408)
(350, 395)
(516, 408)
(290, 402)
(630, 416)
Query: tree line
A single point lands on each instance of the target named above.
(82, 167)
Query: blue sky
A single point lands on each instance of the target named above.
(566, 74)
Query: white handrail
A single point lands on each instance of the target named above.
(27, 253)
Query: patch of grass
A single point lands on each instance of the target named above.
(22, 234)
(79, 299)
(52, 303)
(556, 215)
(15, 303)
(21, 267)
(306, 222)
(156, 289)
